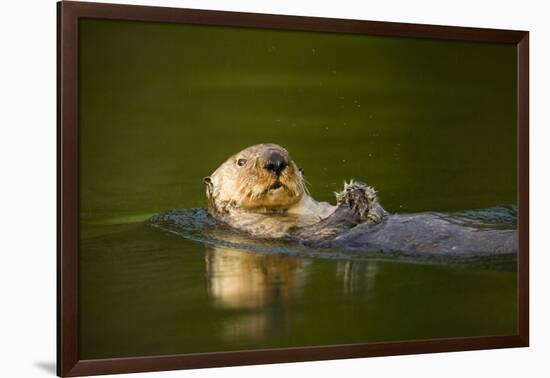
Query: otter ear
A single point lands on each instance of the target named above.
(207, 180)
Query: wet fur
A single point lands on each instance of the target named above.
(245, 197)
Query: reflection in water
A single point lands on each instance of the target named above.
(357, 276)
(242, 279)
(259, 287)
(260, 284)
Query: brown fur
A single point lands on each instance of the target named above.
(249, 197)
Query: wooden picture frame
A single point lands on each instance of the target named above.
(69, 13)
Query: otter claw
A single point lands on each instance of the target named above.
(373, 218)
(361, 200)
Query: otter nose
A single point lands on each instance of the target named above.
(276, 163)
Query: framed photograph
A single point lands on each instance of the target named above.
(239, 188)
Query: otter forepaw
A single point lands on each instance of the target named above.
(361, 200)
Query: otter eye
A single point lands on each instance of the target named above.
(241, 162)
(301, 170)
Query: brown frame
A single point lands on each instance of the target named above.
(68, 15)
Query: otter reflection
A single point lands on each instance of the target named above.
(259, 288)
(260, 284)
(358, 277)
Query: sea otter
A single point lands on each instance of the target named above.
(261, 191)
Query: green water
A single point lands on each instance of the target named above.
(431, 124)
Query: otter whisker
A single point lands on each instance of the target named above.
(303, 185)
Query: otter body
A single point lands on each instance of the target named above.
(261, 191)
(426, 234)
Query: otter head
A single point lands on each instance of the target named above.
(259, 178)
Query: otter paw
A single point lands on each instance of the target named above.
(375, 216)
(361, 199)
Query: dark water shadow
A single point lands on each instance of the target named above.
(49, 367)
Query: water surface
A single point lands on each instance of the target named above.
(431, 124)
